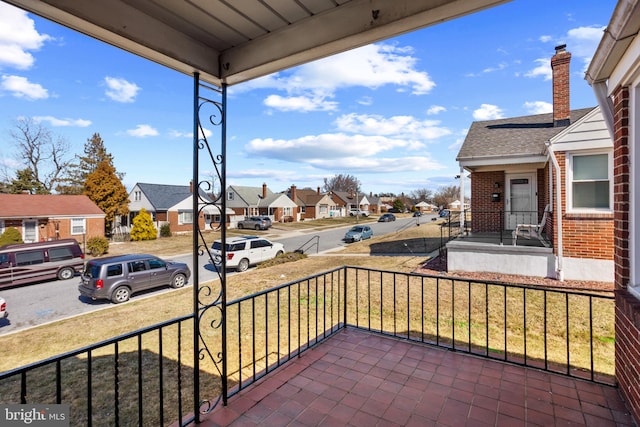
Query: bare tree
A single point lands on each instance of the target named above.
(446, 195)
(48, 159)
(421, 194)
(342, 182)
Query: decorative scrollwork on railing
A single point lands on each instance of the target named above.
(209, 298)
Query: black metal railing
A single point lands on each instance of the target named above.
(146, 377)
(566, 332)
(477, 223)
(273, 326)
(120, 381)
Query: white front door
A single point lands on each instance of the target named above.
(520, 200)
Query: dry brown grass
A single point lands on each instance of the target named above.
(264, 341)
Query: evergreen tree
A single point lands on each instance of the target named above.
(107, 191)
(26, 182)
(143, 228)
(94, 153)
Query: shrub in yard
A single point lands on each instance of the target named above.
(143, 228)
(97, 246)
(10, 235)
(281, 259)
(165, 230)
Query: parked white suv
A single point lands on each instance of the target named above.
(245, 251)
(359, 212)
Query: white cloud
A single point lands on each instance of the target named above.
(542, 69)
(178, 134)
(545, 38)
(436, 109)
(405, 127)
(18, 36)
(142, 131)
(20, 87)
(120, 90)
(538, 107)
(499, 67)
(487, 112)
(373, 66)
(63, 122)
(300, 103)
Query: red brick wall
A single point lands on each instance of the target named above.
(627, 306)
(486, 214)
(47, 228)
(176, 227)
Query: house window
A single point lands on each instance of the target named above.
(1, 226)
(286, 211)
(78, 226)
(230, 195)
(590, 182)
(324, 209)
(185, 217)
(137, 196)
(29, 231)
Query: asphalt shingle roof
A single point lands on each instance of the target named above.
(513, 136)
(40, 205)
(163, 196)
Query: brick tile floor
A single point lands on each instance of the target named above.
(356, 378)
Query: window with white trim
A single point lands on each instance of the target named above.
(590, 182)
(1, 226)
(78, 226)
(185, 217)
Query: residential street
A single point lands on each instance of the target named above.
(37, 304)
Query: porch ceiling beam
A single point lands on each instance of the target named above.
(164, 32)
(353, 24)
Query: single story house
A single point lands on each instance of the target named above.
(251, 201)
(171, 204)
(312, 204)
(41, 217)
(560, 162)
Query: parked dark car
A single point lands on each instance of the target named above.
(445, 213)
(116, 278)
(417, 214)
(394, 210)
(387, 217)
(254, 223)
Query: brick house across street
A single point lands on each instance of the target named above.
(41, 217)
(561, 162)
(253, 201)
(312, 204)
(171, 204)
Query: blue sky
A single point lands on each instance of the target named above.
(392, 114)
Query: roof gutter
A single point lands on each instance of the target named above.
(557, 209)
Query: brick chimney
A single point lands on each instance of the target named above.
(191, 186)
(264, 190)
(560, 69)
(294, 194)
(318, 190)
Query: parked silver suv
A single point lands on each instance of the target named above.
(116, 278)
(255, 223)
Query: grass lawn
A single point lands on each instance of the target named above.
(399, 252)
